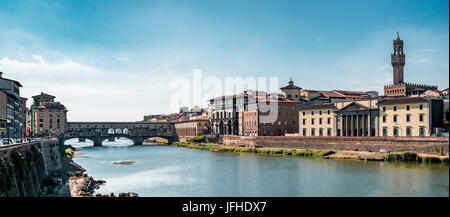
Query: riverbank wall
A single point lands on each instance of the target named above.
(25, 168)
(423, 145)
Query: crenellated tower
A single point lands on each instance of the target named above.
(400, 88)
(398, 60)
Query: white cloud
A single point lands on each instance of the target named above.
(88, 92)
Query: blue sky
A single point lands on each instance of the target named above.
(114, 60)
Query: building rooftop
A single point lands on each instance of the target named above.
(290, 86)
(403, 100)
(43, 94)
(318, 106)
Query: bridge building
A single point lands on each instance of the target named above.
(136, 131)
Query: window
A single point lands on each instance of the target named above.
(408, 131)
(41, 115)
(384, 108)
(312, 112)
(384, 131)
(328, 111)
(384, 118)
(421, 117)
(395, 118)
(395, 108)
(395, 131)
(320, 120)
(312, 121)
(320, 112)
(328, 120)
(41, 120)
(328, 131)
(320, 132)
(304, 121)
(420, 106)
(408, 118)
(304, 131)
(421, 131)
(304, 113)
(313, 132)
(407, 108)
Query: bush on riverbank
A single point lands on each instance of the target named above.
(67, 150)
(266, 151)
(413, 157)
(407, 156)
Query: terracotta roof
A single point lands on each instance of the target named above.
(403, 100)
(349, 92)
(318, 106)
(333, 94)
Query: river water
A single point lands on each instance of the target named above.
(170, 171)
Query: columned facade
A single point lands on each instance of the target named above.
(356, 124)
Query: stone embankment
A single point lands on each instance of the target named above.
(422, 145)
(42, 169)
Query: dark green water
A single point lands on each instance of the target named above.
(171, 171)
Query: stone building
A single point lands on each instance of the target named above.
(47, 116)
(412, 116)
(11, 110)
(291, 91)
(256, 118)
(191, 128)
(415, 116)
(225, 112)
(399, 88)
(345, 118)
(318, 120)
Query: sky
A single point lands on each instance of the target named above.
(116, 60)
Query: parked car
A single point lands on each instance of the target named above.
(6, 141)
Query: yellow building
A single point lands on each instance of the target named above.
(416, 116)
(318, 120)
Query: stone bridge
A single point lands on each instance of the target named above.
(136, 131)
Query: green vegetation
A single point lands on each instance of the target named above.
(197, 139)
(265, 151)
(155, 141)
(413, 157)
(150, 141)
(6, 170)
(67, 150)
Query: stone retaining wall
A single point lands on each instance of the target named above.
(28, 184)
(424, 145)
